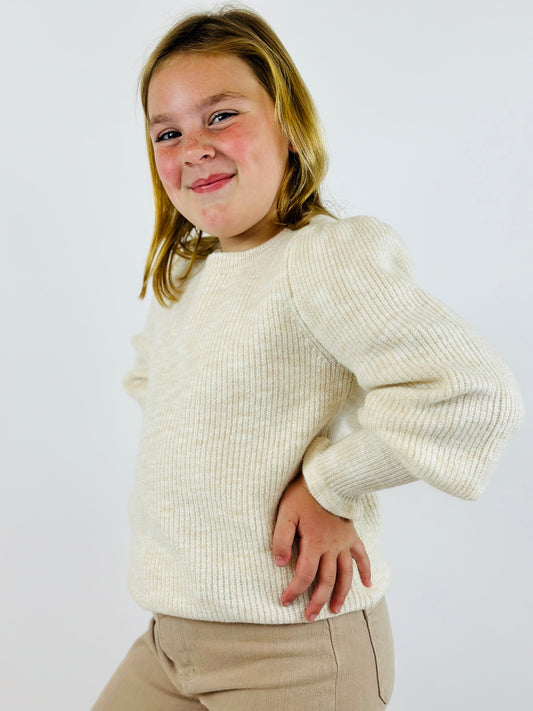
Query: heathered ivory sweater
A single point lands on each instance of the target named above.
(315, 347)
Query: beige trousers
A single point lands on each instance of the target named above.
(344, 663)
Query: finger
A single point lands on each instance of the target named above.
(343, 583)
(306, 570)
(362, 560)
(326, 579)
(282, 540)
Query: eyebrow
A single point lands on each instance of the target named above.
(204, 104)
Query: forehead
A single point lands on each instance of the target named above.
(188, 78)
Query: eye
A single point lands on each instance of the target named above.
(167, 136)
(221, 116)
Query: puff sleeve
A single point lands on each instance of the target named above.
(136, 380)
(438, 404)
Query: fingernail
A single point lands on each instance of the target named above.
(280, 560)
(336, 609)
(312, 617)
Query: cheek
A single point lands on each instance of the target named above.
(240, 144)
(167, 169)
(266, 150)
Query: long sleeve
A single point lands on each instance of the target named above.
(438, 404)
(314, 345)
(136, 380)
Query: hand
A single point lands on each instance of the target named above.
(327, 546)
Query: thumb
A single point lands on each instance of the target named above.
(282, 540)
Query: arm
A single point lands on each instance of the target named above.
(136, 380)
(439, 405)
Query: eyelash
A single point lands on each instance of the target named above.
(167, 136)
(222, 116)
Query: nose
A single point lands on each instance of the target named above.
(197, 147)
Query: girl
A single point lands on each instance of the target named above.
(289, 370)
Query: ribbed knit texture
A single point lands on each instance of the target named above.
(315, 347)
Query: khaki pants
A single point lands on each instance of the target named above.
(344, 663)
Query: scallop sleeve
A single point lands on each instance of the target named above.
(136, 380)
(438, 404)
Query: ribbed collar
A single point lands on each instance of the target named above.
(234, 259)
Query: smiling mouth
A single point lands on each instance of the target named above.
(213, 182)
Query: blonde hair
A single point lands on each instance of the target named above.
(244, 34)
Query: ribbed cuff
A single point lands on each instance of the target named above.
(338, 474)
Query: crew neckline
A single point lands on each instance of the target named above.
(245, 255)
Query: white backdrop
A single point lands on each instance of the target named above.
(428, 113)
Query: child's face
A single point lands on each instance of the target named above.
(219, 150)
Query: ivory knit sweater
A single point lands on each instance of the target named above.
(314, 347)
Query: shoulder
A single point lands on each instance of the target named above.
(356, 247)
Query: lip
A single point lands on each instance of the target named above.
(212, 182)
